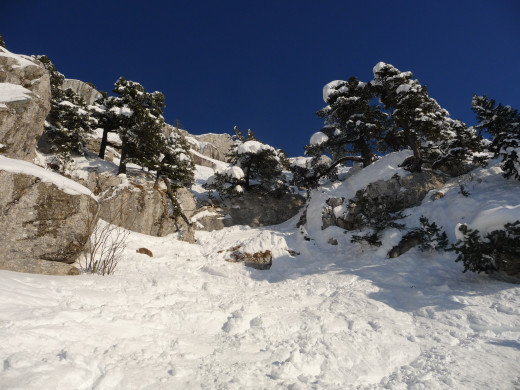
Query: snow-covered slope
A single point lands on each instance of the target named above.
(331, 317)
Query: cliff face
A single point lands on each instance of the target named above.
(24, 104)
(84, 90)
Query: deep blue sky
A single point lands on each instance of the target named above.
(262, 64)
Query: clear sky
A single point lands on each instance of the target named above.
(262, 64)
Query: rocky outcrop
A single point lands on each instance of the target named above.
(24, 104)
(145, 209)
(251, 209)
(42, 226)
(87, 92)
(393, 195)
(215, 146)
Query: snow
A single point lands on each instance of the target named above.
(122, 111)
(331, 317)
(330, 88)
(66, 185)
(13, 93)
(380, 65)
(403, 88)
(20, 60)
(253, 147)
(318, 138)
(233, 172)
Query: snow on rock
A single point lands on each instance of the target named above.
(318, 138)
(66, 185)
(24, 104)
(254, 147)
(12, 93)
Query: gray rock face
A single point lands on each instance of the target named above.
(144, 209)
(258, 210)
(215, 146)
(24, 104)
(40, 225)
(84, 90)
(396, 194)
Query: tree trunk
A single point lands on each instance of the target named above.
(104, 141)
(122, 162)
(416, 163)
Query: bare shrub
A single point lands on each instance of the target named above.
(104, 247)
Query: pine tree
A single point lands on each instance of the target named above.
(254, 165)
(460, 150)
(503, 122)
(2, 42)
(137, 115)
(412, 111)
(69, 121)
(354, 124)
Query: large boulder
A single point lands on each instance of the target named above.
(45, 219)
(251, 209)
(86, 91)
(24, 104)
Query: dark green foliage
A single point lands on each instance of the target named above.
(503, 122)
(497, 251)
(354, 124)
(372, 213)
(176, 165)
(2, 42)
(137, 117)
(428, 236)
(460, 150)
(69, 121)
(413, 113)
(255, 166)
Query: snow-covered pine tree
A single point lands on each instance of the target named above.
(412, 112)
(254, 166)
(461, 150)
(69, 121)
(2, 42)
(140, 123)
(503, 122)
(355, 126)
(355, 129)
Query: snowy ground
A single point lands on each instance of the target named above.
(332, 317)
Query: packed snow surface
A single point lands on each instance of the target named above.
(323, 317)
(66, 185)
